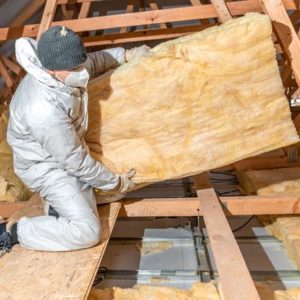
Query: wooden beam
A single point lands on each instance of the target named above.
(261, 162)
(5, 74)
(259, 205)
(84, 10)
(129, 9)
(189, 206)
(154, 6)
(222, 10)
(289, 3)
(235, 279)
(48, 16)
(139, 18)
(143, 35)
(286, 33)
(11, 65)
(55, 275)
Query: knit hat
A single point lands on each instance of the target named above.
(60, 48)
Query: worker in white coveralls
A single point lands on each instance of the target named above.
(48, 121)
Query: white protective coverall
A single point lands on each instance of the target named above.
(48, 121)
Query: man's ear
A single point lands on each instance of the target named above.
(51, 72)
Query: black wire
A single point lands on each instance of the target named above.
(242, 226)
(102, 271)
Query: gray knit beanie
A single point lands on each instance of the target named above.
(60, 48)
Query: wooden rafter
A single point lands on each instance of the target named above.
(141, 18)
(285, 32)
(189, 206)
(9, 81)
(154, 6)
(84, 10)
(235, 278)
(142, 35)
(129, 9)
(222, 10)
(48, 16)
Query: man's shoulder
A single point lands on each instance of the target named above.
(31, 102)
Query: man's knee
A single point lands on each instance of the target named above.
(90, 234)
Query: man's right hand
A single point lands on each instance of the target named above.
(126, 184)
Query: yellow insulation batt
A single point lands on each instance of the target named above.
(199, 291)
(277, 182)
(11, 187)
(195, 103)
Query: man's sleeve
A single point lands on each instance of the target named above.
(56, 134)
(100, 61)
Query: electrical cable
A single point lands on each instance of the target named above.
(242, 226)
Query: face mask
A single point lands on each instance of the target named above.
(78, 79)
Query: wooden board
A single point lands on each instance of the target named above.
(140, 18)
(35, 275)
(236, 282)
(183, 207)
(47, 18)
(285, 32)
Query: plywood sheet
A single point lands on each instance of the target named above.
(34, 275)
(195, 103)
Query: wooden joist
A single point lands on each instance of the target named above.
(142, 35)
(54, 275)
(222, 10)
(235, 8)
(189, 206)
(285, 32)
(235, 279)
(47, 18)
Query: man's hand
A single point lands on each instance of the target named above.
(126, 184)
(136, 52)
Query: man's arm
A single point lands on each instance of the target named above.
(100, 61)
(54, 130)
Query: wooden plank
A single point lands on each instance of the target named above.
(84, 10)
(11, 65)
(258, 205)
(142, 35)
(55, 275)
(189, 206)
(196, 3)
(235, 279)
(154, 6)
(222, 10)
(289, 3)
(159, 207)
(260, 162)
(140, 18)
(5, 74)
(129, 9)
(48, 16)
(286, 33)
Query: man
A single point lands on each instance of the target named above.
(48, 121)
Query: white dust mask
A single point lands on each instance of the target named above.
(78, 79)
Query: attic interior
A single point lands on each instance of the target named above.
(210, 121)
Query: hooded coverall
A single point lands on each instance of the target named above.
(48, 121)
